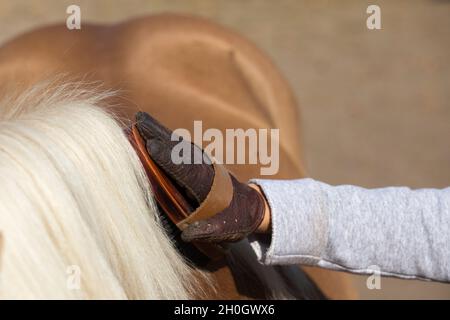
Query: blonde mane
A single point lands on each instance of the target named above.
(76, 217)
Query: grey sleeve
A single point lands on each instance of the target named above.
(395, 231)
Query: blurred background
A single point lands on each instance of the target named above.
(375, 104)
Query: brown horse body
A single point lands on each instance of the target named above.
(178, 69)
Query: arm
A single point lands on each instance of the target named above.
(403, 232)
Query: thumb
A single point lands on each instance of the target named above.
(199, 230)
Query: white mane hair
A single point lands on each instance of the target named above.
(76, 217)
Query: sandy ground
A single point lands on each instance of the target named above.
(375, 104)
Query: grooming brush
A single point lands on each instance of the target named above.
(173, 206)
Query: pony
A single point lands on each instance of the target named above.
(75, 200)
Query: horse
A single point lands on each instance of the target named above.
(178, 69)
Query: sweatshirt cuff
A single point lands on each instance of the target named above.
(299, 225)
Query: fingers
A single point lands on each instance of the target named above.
(156, 136)
(195, 179)
(150, 128)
